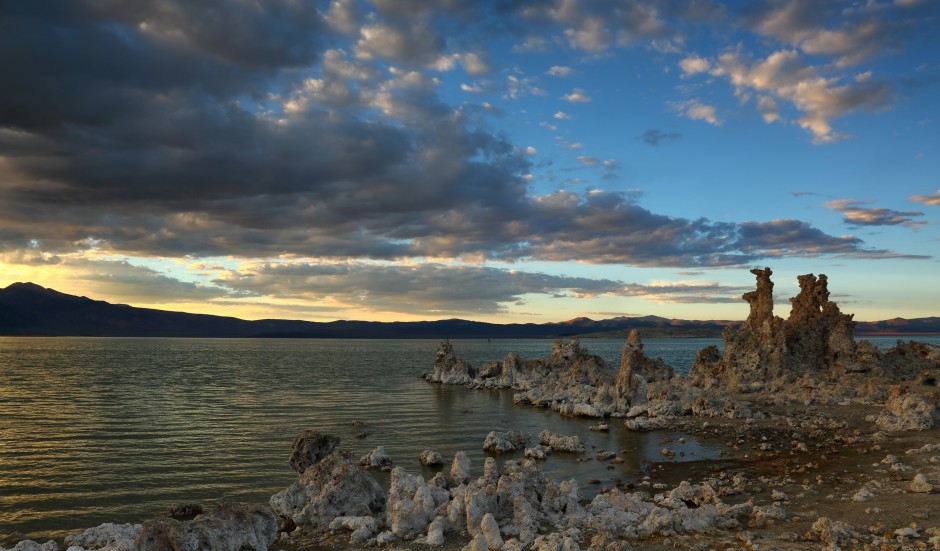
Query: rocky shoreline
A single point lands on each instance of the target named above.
(829, 444)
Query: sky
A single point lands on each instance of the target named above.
(504, 161)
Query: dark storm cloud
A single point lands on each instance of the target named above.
(167, 128)
(441, 289)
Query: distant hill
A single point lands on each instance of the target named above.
(29, 309)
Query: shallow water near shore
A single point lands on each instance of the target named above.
(99, 430)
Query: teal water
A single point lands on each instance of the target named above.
(99, 430)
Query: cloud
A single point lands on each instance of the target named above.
(530, 150)
(857, 215)
(561, 115)
(590, 161)
(416, 45)
(447, 290)
(654, 136)
(595, 25)
(768, 109)
(520, 87)
(559, 71)
(786, 75)
(805, 24)
(577, 96)
(696, 110)
(693, 65)
(932, 199)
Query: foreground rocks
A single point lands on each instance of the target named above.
(226, 527)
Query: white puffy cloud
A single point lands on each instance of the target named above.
(577, 95)
(696, 110)
(785, 75)
(693, 65)
(559, 71)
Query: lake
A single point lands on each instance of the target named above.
(99, 430)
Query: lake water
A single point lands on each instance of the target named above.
(99, 430)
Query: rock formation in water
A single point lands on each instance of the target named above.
(309, 448)
(448, 369)
(571, 380)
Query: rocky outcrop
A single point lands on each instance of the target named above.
(634, 362)
(561, 443)
(376, 459)
(30, 545)
(816, 342)
(227, 526)
(448, 369)
(503, 442)
(571, 381)
(332, 487)
(430, 458)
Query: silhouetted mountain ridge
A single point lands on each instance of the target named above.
(30, 309)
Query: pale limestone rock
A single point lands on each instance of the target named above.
(460, 469)
(561, 443)
(376, 459)
(430, 458)
(412, 504)
(30, 545)
(448, 369)
(490, 530)
(332, 488)
(106, 537)
(538, 452)
(503, 442)
(435, 536)
(920, 485)
(906, 411)
(830, 531)
(363, 528)
(478, 543)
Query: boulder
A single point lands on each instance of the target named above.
(376, 459)
(448, 369)
(30, 545)
(503, 442)
(561, 443)
(430, 458)
(106, 537)
(334, 487)
(309, 447)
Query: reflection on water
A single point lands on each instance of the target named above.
(96, 430)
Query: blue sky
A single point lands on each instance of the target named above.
(501, 161)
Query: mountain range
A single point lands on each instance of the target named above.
(30, 309)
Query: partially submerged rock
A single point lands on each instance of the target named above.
(376, 459)
(561, 443)
(309, 448)
(430, 458)
(503, 442)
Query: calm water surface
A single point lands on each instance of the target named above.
(98, 430)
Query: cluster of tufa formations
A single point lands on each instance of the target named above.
(825, 441)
